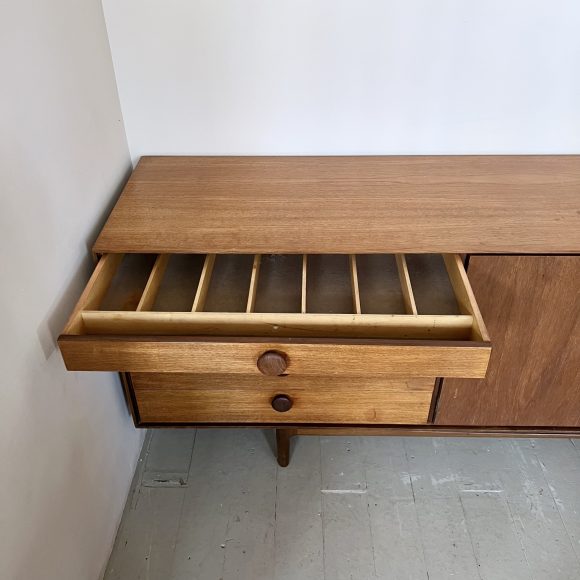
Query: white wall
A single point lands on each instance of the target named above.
(347, 76)
(67, 445)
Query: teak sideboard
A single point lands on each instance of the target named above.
(384, 295)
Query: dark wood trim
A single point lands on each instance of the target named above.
(434, 399)
(201, 425)
(402, 430)
(433, 431)
(550, 254)
(130, 398)
(406, 431)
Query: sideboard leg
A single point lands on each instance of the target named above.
(283, 446)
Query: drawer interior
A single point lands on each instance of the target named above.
(425, 297)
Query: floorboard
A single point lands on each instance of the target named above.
(298, 533)
(479, 471)
(560, 464)
(215, 505)
(448, 545)
(348, 542)
(227, 522)
(397, 542)
(169, 458)
(145, 542)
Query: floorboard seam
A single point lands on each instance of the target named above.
(364, 470)
(322, 513)
(276, 518)
(177, 534)
(191, 454)
(467, 528)
(519, 534)
(575, 445)
(182, 507)
(410, 477)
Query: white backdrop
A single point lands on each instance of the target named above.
(358, 76)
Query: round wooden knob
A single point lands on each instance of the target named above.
(281, 403)
(272, 363)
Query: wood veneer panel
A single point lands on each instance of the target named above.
(183, 398)
(531, 306)
(436, 204)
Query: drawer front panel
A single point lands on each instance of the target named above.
(188, 398)
(305, 358)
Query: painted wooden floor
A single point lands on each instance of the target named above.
(213, 504)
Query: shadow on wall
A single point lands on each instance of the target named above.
(52, 324)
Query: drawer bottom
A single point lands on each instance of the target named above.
(181, 398)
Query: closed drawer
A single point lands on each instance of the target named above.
(352, 316)
(179, 398)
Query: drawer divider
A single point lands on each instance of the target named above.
(265, 324)
(354, 283)
(204, 281)
(304, 280)
(405, 279)
(153, 283)
(464, 294)
(254, 284)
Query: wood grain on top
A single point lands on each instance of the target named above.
(520, 204)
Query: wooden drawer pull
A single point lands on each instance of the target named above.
(272, 363)
(281, 403)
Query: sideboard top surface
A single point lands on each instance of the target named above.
(410, 204)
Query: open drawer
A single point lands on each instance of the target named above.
(363, 315)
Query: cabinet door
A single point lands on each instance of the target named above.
(531, 305)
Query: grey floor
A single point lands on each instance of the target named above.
(213, 504)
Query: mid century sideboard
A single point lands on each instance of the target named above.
(387, 295)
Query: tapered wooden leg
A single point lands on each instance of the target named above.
(283, 446)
